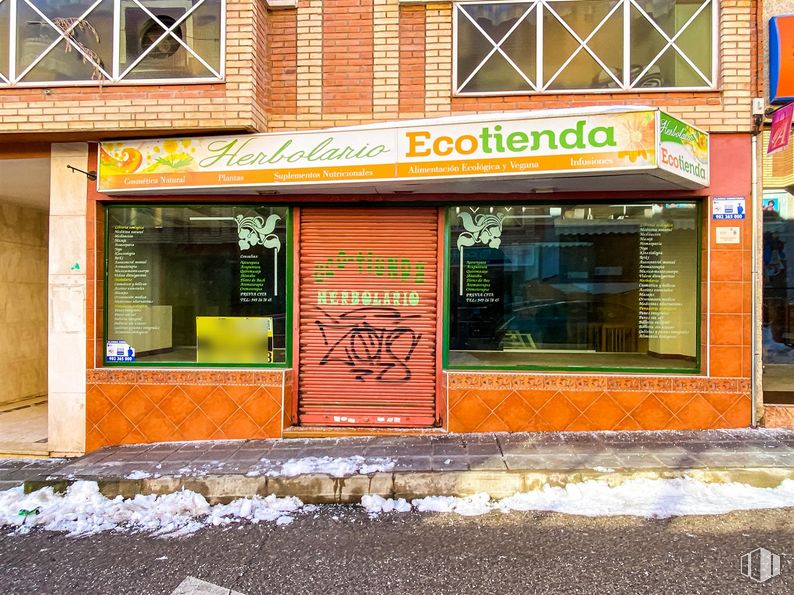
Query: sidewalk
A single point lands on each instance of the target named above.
(345, 469)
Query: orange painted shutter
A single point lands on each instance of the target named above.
(368, 316)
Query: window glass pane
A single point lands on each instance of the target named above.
(473, 46)
(197, 284)
(4, 38)
(566, 63)
(200, 31)
(585, 19)
(84, 59)
(571, 286)
(497, 74)
(694, 41)
(778, 297)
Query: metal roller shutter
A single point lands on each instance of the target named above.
(368, 316)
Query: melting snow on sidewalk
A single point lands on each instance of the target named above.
(333, 466)
(652, 498)
(83, 510)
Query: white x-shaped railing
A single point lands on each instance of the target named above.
(671, 42)
(497, 47)
(583, 43)
(621, 76)
(9, 73)
(169, 32)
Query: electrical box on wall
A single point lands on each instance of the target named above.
(781, 59)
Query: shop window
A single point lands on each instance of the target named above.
(108, 41)
(583, 45)
(202, 285)
(574, 286)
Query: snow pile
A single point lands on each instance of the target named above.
(333, 466)
(652, 498)
(83, 511)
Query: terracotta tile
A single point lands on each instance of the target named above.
(471, 411)
(455, 395)
(94, 440)
(628, 400)
(493, 398)
(219, 407)
(135, 437)
(492, 424)
(197, 392)
(727, 298)
(197, 426)
(775, 416)
(156, 392)
(177, 405)
(628, 423)
(722, 402)
(515, 413)
(536, 398)
(726, 361)
(651, 414)
(114, 392)
(726, 265)
(135, 405)
(558, 413)
(240, 426)
(673, 401)
(739, 414)
(747, 329)
(272, 429)
(114, 426)
(461, 425)
(582, 399)
(604, 413)
(97, 405)
(726, 329)
(239, 394)
(698, 413)
(581, 424)
(262, 408)
(157, 427)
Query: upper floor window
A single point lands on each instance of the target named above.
(552, 46)
(46, 42)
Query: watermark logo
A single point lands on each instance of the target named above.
(760, 565)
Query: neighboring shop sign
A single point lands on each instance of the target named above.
(728, 207)
(781, 65)
(498, 146)
(780, 130)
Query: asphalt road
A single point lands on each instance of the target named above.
(341, 550)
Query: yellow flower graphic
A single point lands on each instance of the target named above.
(638, 135)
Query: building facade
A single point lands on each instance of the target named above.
(384, 216)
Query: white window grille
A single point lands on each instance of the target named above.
(553, 46)
(93, 42)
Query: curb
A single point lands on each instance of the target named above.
(324, 489)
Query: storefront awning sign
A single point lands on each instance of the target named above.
(502, 146)
(781, 66)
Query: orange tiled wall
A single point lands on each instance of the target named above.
(717, 398)
(549, 402)
(127, 406)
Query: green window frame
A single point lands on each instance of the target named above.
(447, 282)
(288, 282)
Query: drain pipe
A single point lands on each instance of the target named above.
(754, 368)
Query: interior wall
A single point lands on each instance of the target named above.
(23, 301)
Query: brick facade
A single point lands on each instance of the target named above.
(341, 63)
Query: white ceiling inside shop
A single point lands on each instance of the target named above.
(25, 182)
